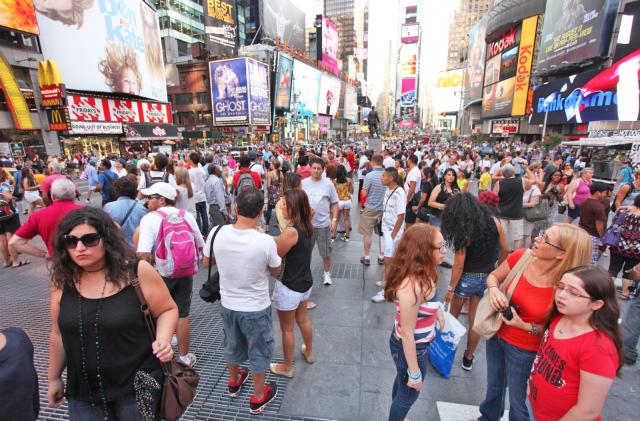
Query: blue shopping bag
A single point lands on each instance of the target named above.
(442, 351)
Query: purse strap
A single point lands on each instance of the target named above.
(211, 250)
(516, 272)
(388, 198)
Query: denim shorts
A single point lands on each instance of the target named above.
(471, 284)
(248, 336)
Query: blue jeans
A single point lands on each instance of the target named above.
(507, 365)
(202, 217)
(631, 330)
(402, 396)
(124, 410)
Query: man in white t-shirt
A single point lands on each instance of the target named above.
(163, 196)
(245, 257)
(255, 165)
(393, 216)
(411, 187)
(197, 178)
(157, 174)
(387, 161)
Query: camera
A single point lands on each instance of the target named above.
(507, 313)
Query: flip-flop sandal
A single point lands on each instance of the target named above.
(21, 263)
(308, 360)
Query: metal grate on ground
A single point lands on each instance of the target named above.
(25, 304)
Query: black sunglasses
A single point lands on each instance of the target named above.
(89, 240)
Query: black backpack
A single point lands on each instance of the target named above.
(151, 180)
(210, 291)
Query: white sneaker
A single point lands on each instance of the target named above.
(189, 359)
(379, 297)
(327, 279)
(380, 284)
(174, 340)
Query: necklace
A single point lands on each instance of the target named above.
(85, 375)
(94, 271)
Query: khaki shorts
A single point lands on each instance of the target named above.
(368, 220)
(322, 238)
(514, 228)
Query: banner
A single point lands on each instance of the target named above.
(97, 127)
(259, 99)
(220, 27)
(350, 103)
(85, 108)
(150, 131)
(525, 59)
(229, 92)
(283, 19)
(506, 126)
(329, 46)
(410, 33)
(446, 91)
(408, 60)
(105, 46)
(82, 108)
(19, 15)
(123, 111)
(329, 95)
(284, 79)
(574, 32)
(474, 73)
(306, 88)
(408, 92)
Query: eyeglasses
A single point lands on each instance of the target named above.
(571, 291)
(442, 248)
(545, 239)
(89, 240)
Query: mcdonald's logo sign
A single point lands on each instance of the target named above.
(52, 89)
(59, 119)
(49, 73)
(14, 98)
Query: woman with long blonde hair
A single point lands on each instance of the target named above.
(411, 282)
(511, 351)
(185, 199)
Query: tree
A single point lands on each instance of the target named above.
(553, 140)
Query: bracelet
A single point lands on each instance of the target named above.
(450, 288)
(492, 286)
(414, 378)
(534, 329)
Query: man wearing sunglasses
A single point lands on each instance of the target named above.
(162, 196)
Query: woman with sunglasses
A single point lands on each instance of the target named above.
(510, 353)
(411, 283)
(98, 332)
(581, 350)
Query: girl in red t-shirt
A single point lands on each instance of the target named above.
(580, 352)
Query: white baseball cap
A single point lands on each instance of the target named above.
(165, 190)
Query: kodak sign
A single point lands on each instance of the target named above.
(525, 59)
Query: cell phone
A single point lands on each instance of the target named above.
(507, 313)
(405, 377)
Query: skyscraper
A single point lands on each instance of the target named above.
(342, 13)
(467, 14)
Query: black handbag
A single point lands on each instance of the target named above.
(210, 290)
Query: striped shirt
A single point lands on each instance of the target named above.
(425, 325)
(375, 190)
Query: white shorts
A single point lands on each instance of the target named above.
(285, 299)
(344, 204)
(390, 245)
(513, 228)
(31, 195)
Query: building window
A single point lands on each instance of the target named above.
(184, 99)
(202, 98)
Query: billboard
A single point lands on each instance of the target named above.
(329, 95)
(498, 98)
(447, 91)
(408, 60)
(350, 103)
(229, 92)
(575, 31)
(408, 92)
(19, 15)
(284, 79)
(220, 26)
(474, 73)
(283, 19)
(108, 46)
(95, 109)
(525, 61)
(306, 88)
(329, 48)
(259, 99)
(409, 33)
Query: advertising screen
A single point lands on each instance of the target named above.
(330, 45)
(492, 71)
(19, 15)
(329, 95)
(111, 46)
(350, 103)
(409, 33)
(508, 65)
(259, 100)
(474, 73)
(575, 31)
(220, 26)
(498, 98)
(408, 60)
(284, 79)
(306, 88)
(446, 93)
(408, 92)
(229, 93)
(283, 19)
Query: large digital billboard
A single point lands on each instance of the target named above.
(329, 48)
(283, 19)
(474, 73)
(220, 26)
(284, 79)
(498, 98)
(229, 92)
(350, 103)
(107, 46)
(408, 60)
(259, 99)
(410, 33)
(19, 15)
(306, 88)
(447, 91)
(575, 31)
(329, 95)
(408, 92)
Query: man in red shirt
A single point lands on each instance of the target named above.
(45, 222)
(244, 162)
(351, 158)
(55, 171)
(304, 171)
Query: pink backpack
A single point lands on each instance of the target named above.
(176, 249)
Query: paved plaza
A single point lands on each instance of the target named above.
(353, 374)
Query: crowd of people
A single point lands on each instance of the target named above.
(504, 223)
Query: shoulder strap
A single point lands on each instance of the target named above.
(161, 213)
(211, 250)
(388, 198)
(165, 177)
(147, 179)
(515, 274)
(128, 213)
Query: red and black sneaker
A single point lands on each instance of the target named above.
(270, 393)
(234, 388)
